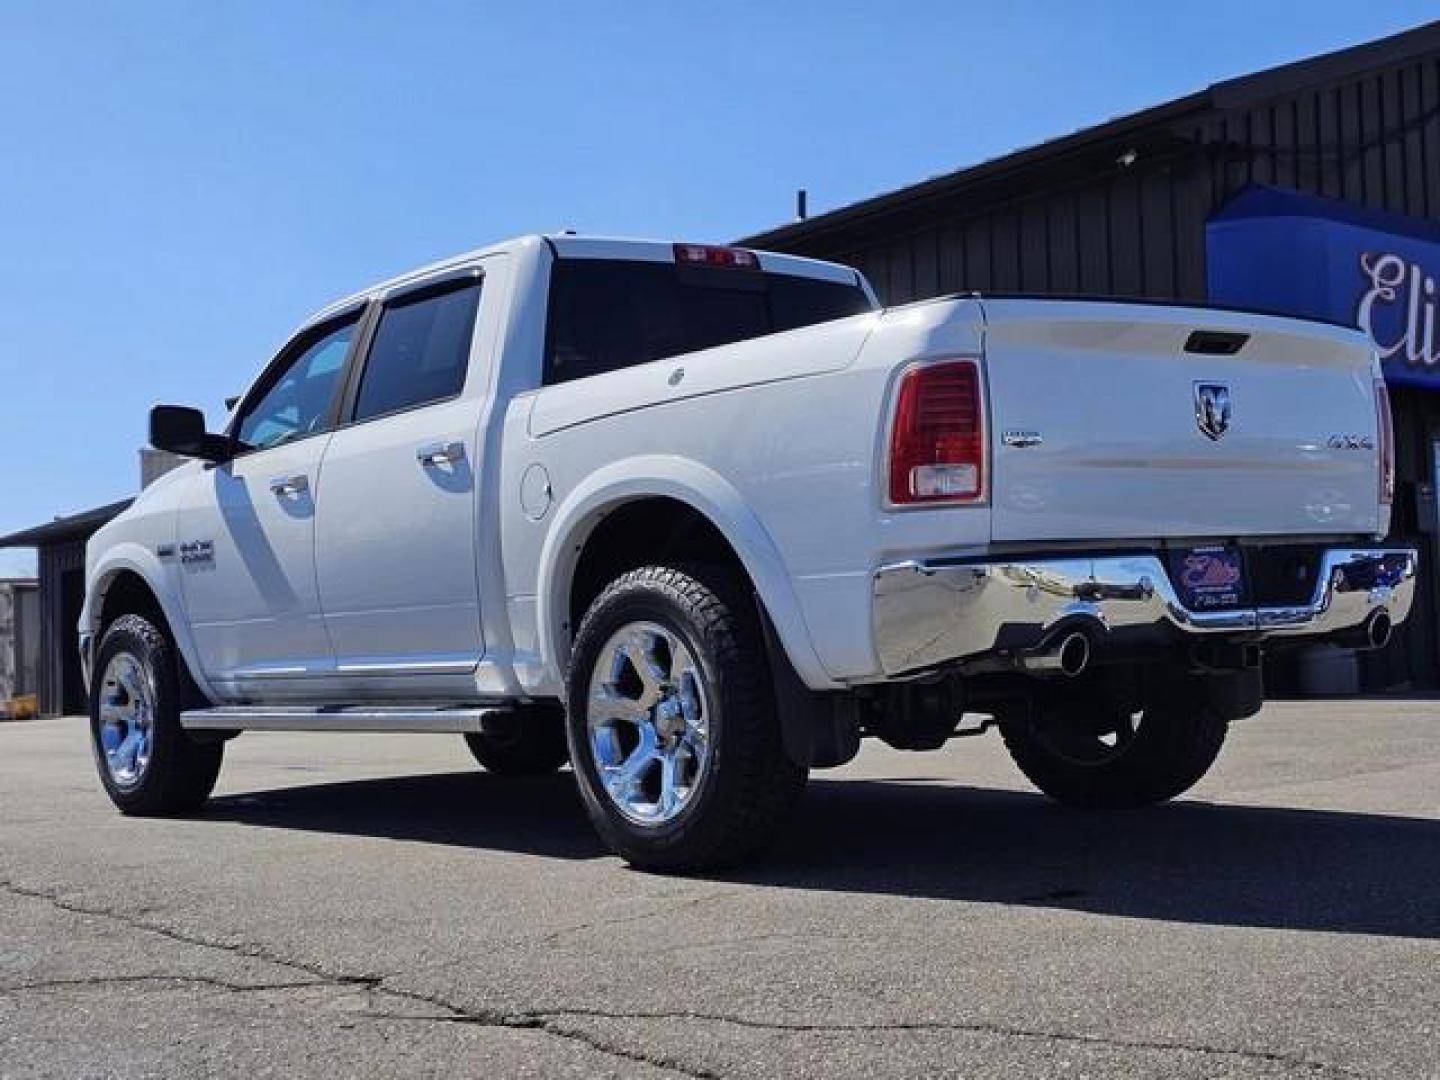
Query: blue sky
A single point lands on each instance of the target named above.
(181, 183)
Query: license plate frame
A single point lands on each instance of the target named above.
(1210, 577)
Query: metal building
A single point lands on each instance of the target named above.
(61, 546)
(1309, 189)
(19, 644)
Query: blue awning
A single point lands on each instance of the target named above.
(1278, 250)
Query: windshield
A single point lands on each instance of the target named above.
(607, 314)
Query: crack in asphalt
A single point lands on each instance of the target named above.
(41, 985)
(671, 905)
(551, 1021)
(371, 983)
(976, 1027)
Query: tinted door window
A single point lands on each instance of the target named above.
(421, 351)
(607, 314)
(298, 401)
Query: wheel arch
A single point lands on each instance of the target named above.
(124, 582)
(679, 491)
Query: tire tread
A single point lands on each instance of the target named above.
(182, 772)
(760, 782)
(1183, 739)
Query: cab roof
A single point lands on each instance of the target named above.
(568, 245)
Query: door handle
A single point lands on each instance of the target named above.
(287, 487)
(438, 453)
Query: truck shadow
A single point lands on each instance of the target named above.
(1190, 861)
(538, 816)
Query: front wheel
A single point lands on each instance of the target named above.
(673, 732)
(146, 760)
(1098, 749)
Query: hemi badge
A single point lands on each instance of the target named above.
(1017, 438)
(165, 551)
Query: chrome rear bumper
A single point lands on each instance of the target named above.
(929, 613)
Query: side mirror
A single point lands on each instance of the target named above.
(181, 430)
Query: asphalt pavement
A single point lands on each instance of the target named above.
(377, 906)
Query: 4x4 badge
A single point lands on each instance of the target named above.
(1212, 409)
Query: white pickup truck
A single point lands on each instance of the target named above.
(696, 519)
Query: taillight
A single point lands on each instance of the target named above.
(1387, 443)
(937, 440)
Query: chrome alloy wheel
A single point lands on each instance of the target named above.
(127, 719)
(649, 723)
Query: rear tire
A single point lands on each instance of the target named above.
(1161, 747)
(147, 763)
(530, 743)
(673, 731)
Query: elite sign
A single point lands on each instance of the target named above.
(1399, 291)
(1276, 250)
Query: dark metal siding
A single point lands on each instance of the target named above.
(62, 573)
(27, 639)
(1106, 229)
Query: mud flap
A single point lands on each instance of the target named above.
(820, 730)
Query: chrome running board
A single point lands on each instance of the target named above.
(434, 718)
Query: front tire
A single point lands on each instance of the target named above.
(1098, 749)
(673, 733)
(147, 763)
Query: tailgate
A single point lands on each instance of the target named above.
(1130, 421)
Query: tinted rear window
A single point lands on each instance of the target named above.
(607, 314)
(421, 350)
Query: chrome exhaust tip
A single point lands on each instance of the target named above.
(1374, 633)
(1068, 656)
(1378, 630)
(1074, 654)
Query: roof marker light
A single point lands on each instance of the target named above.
(709, 255)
